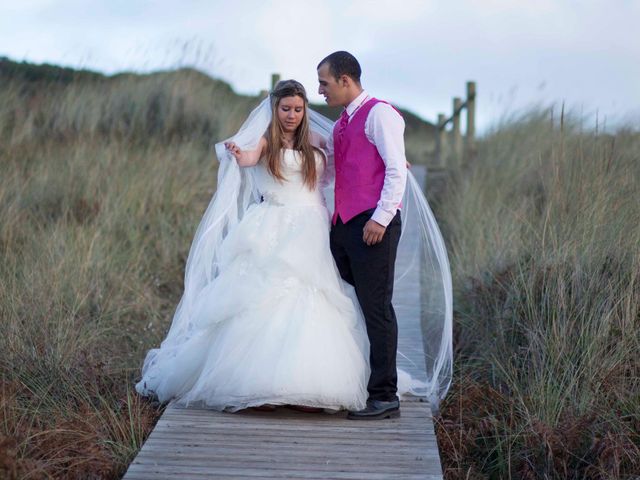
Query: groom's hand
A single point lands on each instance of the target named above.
(373, 232)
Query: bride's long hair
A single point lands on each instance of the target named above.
(302, 135)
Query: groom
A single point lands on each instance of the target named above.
(370, 175)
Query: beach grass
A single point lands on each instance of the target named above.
(544, 234)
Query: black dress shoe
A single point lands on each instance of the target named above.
(376, 410)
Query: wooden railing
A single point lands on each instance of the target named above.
(275, 78)
(456, 150)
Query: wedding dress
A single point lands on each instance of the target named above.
(276, 326)
(265, 317)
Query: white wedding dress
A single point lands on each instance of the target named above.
(266, 318)
(278, 325)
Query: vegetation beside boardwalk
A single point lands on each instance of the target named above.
(544, 235)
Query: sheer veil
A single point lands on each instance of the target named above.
(236, 191)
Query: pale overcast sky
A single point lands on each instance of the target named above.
(415, 53)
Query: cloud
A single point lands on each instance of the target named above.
(416, 53)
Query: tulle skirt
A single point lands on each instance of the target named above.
(277, 325)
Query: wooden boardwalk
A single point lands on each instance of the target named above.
(197, 444)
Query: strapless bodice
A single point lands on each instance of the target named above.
(292, 191)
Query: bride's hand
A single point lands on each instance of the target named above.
(234, 149)
(246, 158)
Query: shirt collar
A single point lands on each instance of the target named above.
(357, 102)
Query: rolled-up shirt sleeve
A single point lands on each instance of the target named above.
(385, 129)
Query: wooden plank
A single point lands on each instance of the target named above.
(269, 446)
(190, 471)
(295, 462)
(393, 446)
(196, 443)
(410, 409)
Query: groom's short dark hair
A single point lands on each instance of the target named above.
(342, 63)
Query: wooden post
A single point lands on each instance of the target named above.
(441, 138)
(275, 78)
(471, 120)
(457, 136)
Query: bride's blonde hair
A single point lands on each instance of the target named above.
(302, 135)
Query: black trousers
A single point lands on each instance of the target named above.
(370, 270)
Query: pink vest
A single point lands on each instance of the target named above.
(359, 167)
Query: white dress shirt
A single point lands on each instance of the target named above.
(384, 128)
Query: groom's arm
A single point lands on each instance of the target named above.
(385, 129)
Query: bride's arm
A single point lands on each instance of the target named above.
(247, 158)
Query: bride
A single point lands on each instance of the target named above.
(265, 318)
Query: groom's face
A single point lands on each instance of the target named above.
(333, 90)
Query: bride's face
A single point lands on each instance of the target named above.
(290, 113)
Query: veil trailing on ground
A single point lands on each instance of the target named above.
(426, 275)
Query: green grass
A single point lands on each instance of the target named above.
(544, 234)
(93, 238)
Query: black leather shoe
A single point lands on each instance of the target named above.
(376, 410)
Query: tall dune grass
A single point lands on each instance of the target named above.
(100, 194)
(544, 229)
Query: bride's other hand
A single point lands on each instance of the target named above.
(247, 158)
(234, 149)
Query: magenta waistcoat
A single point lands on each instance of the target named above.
(359, 167)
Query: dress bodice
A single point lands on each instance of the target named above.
(291, 191)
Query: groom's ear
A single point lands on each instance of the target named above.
(345, 80)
